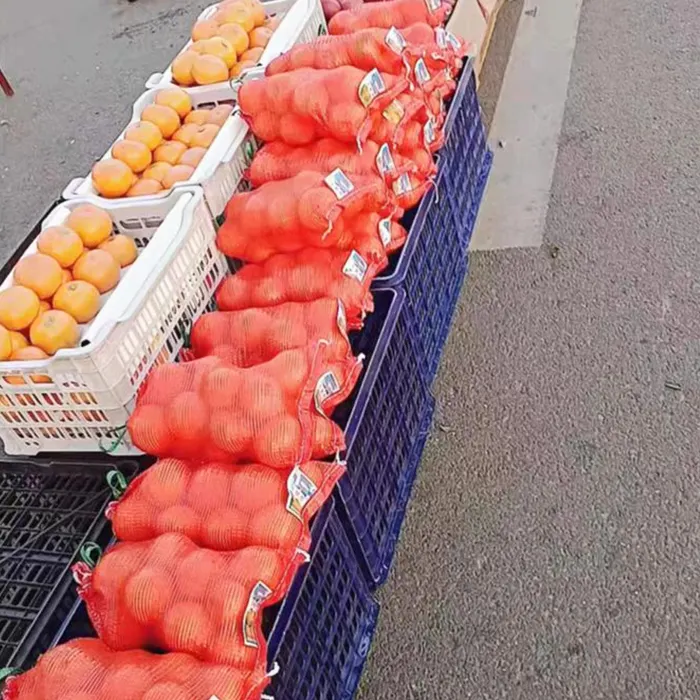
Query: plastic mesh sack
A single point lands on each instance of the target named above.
(168, 594)
(250, 337)
(86, 669)
(410, 189)
(222, 507)
(279, 161)
(438, 47)
(306, 104)
(273, 413)
(304, 276)
(287, 215)
(332, 7)
(396, 13)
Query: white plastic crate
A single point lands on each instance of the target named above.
(302, 22)
(80, 399)
(220, 170)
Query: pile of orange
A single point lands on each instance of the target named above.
(225, 45)
(164, 148)
(59, 287)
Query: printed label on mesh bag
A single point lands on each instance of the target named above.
(371, 86)
(301, 489)
(385, 231)
(326, 387)
(452, 40)
(355, 266)
(441, 37)
(429, 132)
(432, 5)
(258, 596)
(421, 72)
(395, 41)
(384, 161)
(402, 185)
(394, 112)
(339, 183)
(342, 319)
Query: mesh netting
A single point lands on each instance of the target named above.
(396, 13)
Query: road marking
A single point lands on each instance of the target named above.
(526, 126)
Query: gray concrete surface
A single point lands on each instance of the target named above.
(550, 551)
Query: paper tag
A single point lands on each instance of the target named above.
(385, 232)
(326, 387)
(429, 132)
(355, 266)
(342, 318)
(441, 37)
(300, 489)
(394, 112)
(384, 161)
(421, 72)
(452, 40)
(402, 185)
(371, 86)
(432, 5)
(395, 41)
(339, 183)
(258, 596)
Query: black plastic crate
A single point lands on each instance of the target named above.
(47, 512)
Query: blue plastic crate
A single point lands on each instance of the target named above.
(386, 421)
(320, 634)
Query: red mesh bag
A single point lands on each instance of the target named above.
(438, 47)
(396, 13)
(333, 7)
(169, 594)
(86, 669)
(305, 105)
(287, 215)
(410, 189)
(391, 124)
(250, 337)
(279, 161)
(310, 274)
(273, 413)
(222, 507)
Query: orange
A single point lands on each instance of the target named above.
(218, 46)
(193, 156)
(204, 29)
(205, 135)
(121, 248)
(19, 306)
(91, 223)
(219, 114)
(5, 344)
(199, 47)
(236, 35)
(176, 98)
(169, 152)
(185, 133)
(134, 153)
(182, 68)
(273, 22)
(197, 116)
(241, 66)
(258, 11)
(18, 340)
(79, 299)
(40, 273)
(44, 306)
(164, 117)
(179, 173)
(30, 352)
(99, 268)
(112, 178)
(66, 275)
(253, 55)
(207, 70)
(237, 13)
(146, 133)
(61, 243)
(260, 37)
(156, 172)
(54, 330)
(143, 188)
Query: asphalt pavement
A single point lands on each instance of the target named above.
(551, 548)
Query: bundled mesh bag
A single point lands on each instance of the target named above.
(439, 48)
(224, 507)
(288, 215)
(86, 669)
(409, 190)
(168, 594)
(249, 337)
(306, 104)
(304, 276)
(273, 413)
(333, 7)
(390, 125)
(396, 13)
(279, 161)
